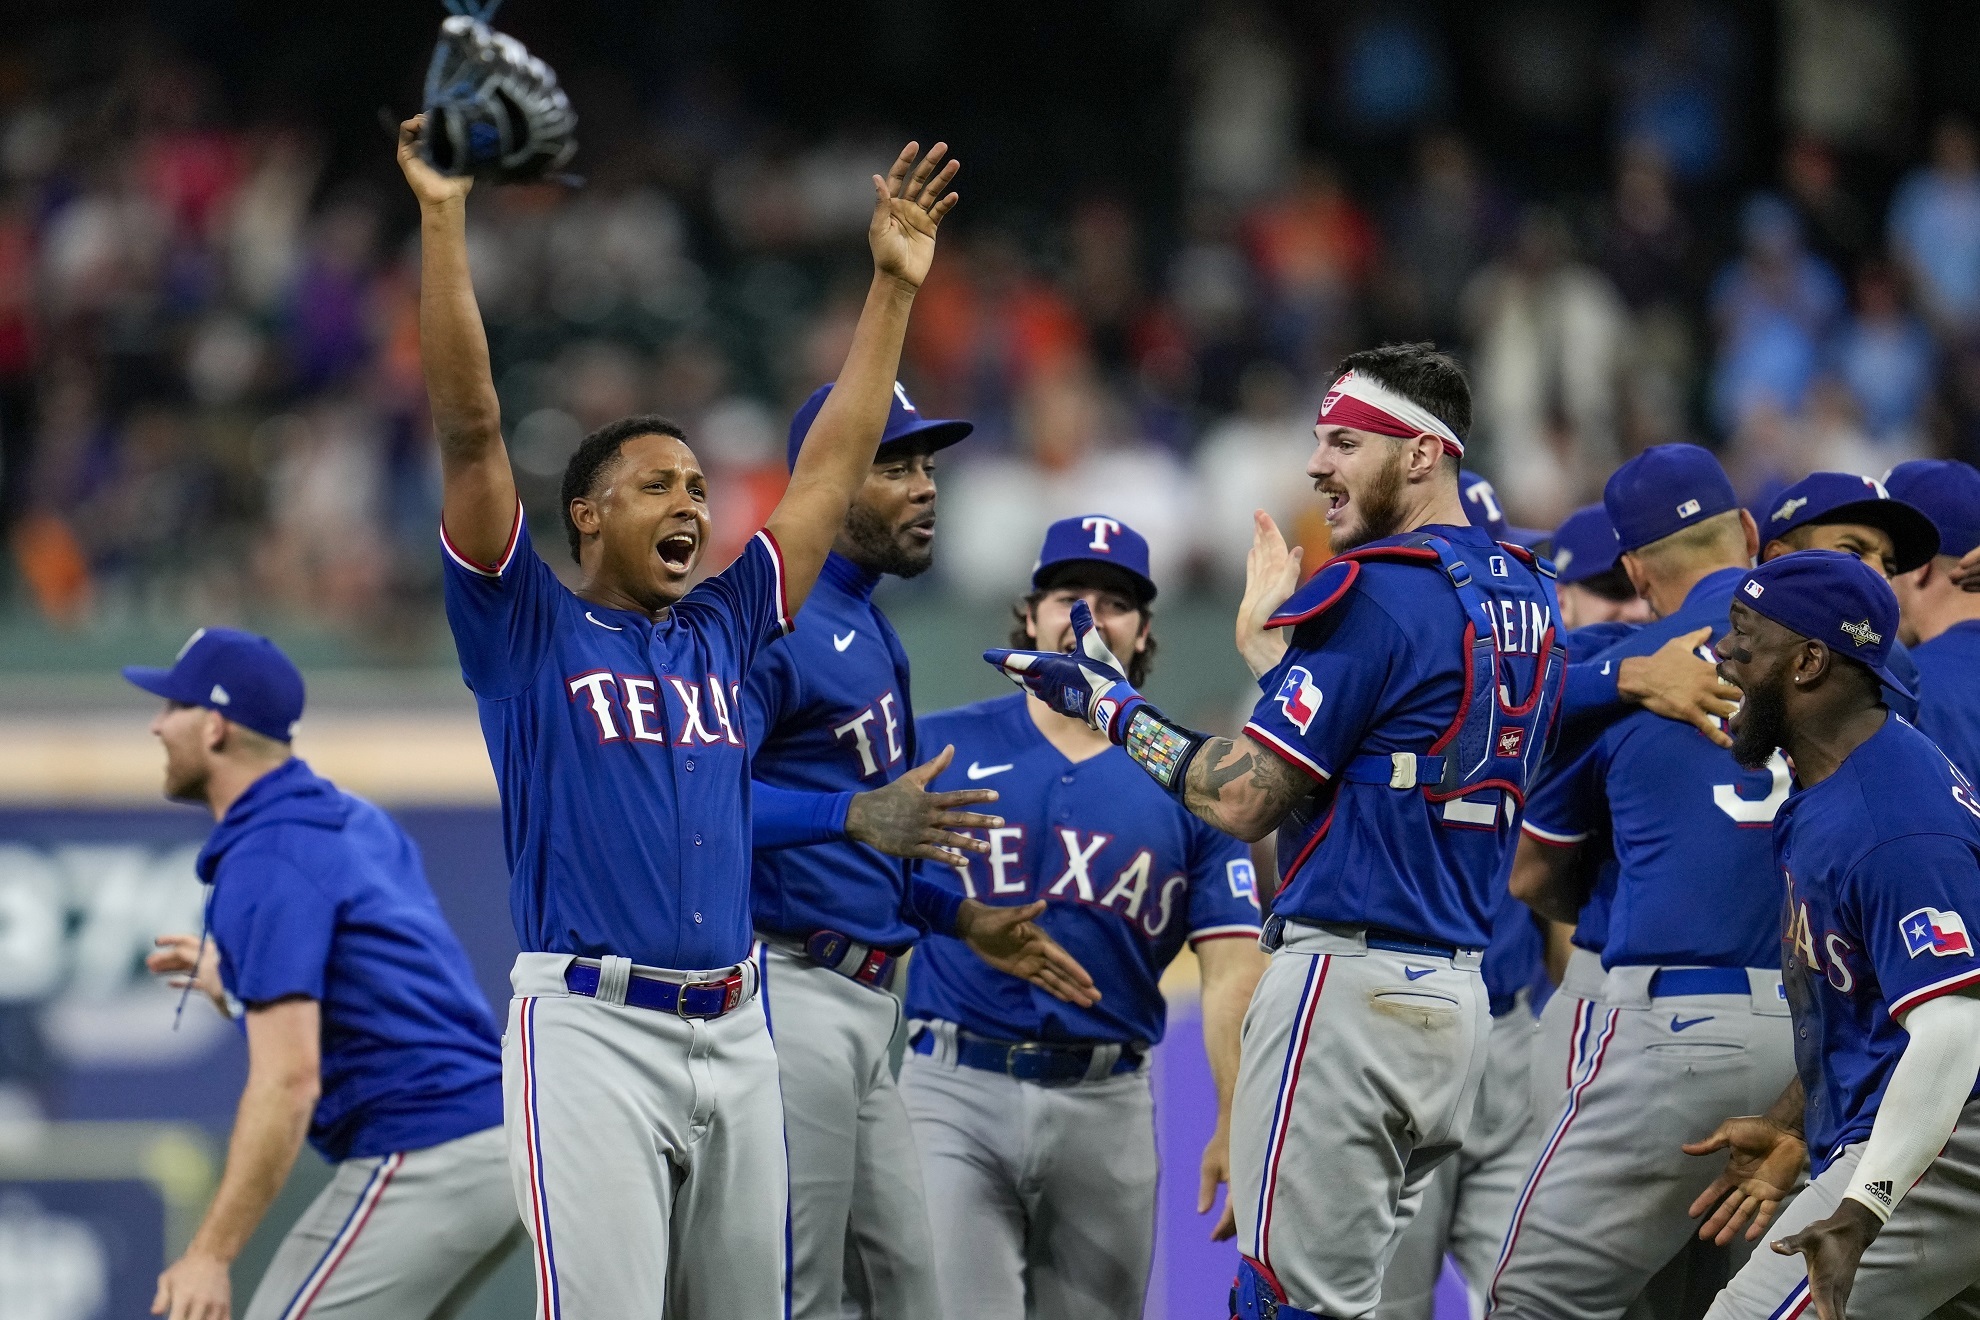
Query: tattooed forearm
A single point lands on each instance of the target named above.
(1241, 790)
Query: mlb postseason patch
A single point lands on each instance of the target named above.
(1941, 934)
(1244, 880)
(1299, 697)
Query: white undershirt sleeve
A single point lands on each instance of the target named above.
(1930, 1085)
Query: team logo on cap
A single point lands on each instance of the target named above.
(1862, 634)
(1562, 559)
(1755, 590)
(1787, 510)
(1102, 529)
(218, 696)
(900, 392)
(1941, 934)
(1688, 508)
(1299, 697)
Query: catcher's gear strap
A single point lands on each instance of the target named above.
(1161, 747)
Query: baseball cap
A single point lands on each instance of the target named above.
(1833, 598)
(1947, 492)
(1664, 490)
(1095, 538)
(904, 422)
(1483, 507)
(1826, 498)
(1585, 545)
(244, 677)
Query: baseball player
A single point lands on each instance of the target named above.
(831, 727)
(1033, 1116)
(1879, 852)
(1588, 572)
(1689, 1020)
(1940, 623)
(645, 1129)
(1395, 739)
(365, 1030)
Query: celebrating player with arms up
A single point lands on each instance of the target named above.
(1879, 850)
(645, 1130)
(1032, 1114)
(1393, 744)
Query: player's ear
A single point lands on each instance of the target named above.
(1633, 570)
(584, 515)
(1752, 530)
(1812, 661)
(213, 731)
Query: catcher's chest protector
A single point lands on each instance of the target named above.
(1514, 674)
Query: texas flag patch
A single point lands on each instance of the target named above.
(1299, 697)
(1941, 934)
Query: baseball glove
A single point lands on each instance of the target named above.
(493, 110)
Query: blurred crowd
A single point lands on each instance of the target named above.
(209, 381)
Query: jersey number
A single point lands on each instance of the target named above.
(1746, 811)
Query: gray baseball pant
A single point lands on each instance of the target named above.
(859, 1224)
(1360, 1075)
(1606, 1205)
(1469, 1199)
(1554, 1045)
(405, 1236)
(646, 1151)
(1041, 1198)
(1925, 1262)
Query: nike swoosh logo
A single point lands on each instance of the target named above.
(841, 643)
(1679, 1024)
(1417, 973)
(976, 771)
(606, 626)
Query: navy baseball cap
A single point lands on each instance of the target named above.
(1585, 545)
(244, 677)
(1945, 491)
(1833, 598)
(1664, 490)
(904, 422)
(1482, 507)
(1095, 538)
(1827, 498)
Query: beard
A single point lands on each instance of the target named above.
(1762, 723)
(1381, 511)
(879, 548)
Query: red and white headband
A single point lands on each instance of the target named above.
(1367, 405)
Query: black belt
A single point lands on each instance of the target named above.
(1392, 941)
(696, 999)
(1029, 1060)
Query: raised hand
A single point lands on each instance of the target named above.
(1767, 1161)
(184, 961)
(428, 184)
(1677, 683)
(1090, 684)
(1009, 940)
(904, 819)
(908, 207)
(1271, 575)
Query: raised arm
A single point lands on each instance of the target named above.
(908, 207)
(477, 490)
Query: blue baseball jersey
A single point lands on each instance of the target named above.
(320, 895)
(828, 712)
(1384, 667)
(1128, 876)
(1882, 867)
(620, 748)
(1690, 828)
(1949, 694)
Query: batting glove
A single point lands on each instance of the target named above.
(1090, 684)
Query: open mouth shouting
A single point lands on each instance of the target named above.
(676, 550)
(1337, 502)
